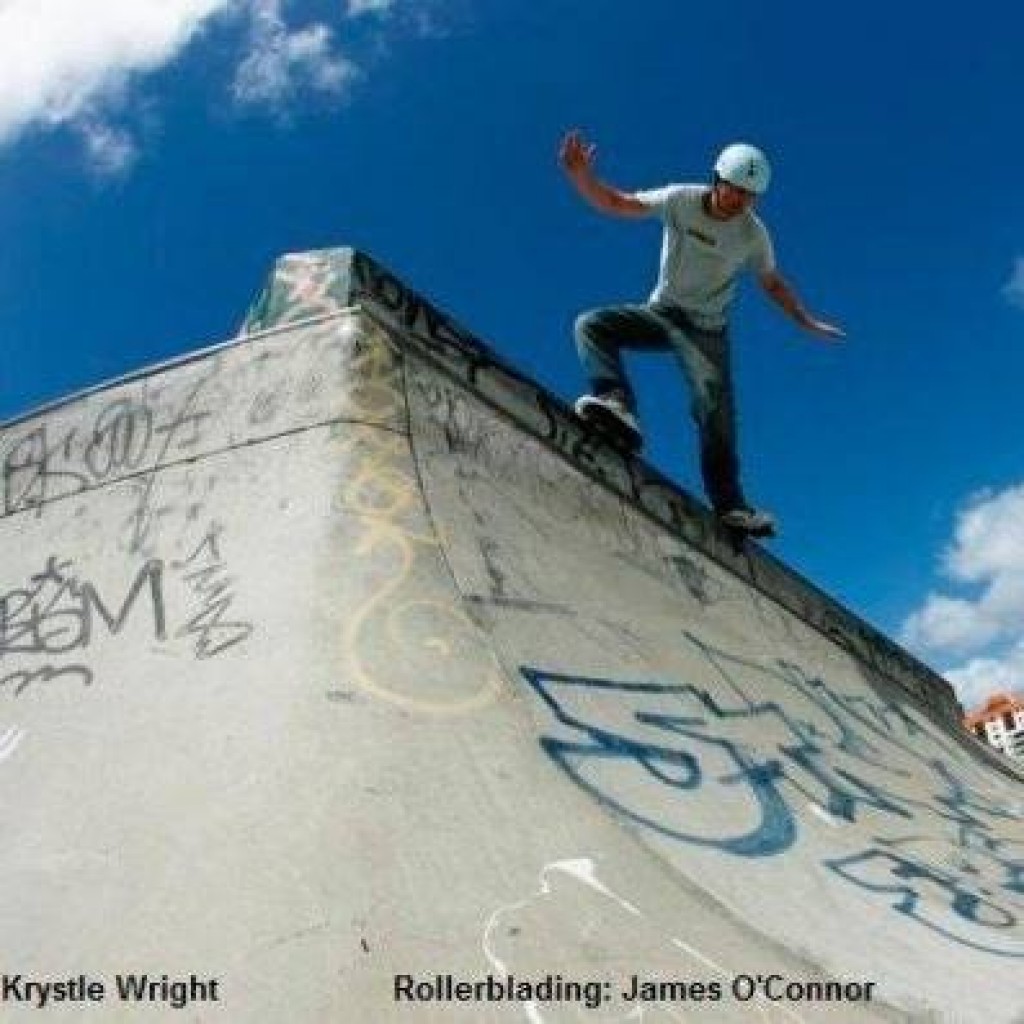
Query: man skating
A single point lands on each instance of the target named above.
(710, 235)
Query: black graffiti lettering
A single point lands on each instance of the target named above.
(55, 614)
(413, 313)
(32, 622)
(150, 574)
(22, 679)
(23, 471)
(174, 431)
(210, 543)
(560, 431)
(142, 518)
(58, 630)
(208, 581)
(214, 632)
(30, 476)
(120, 439)
(12, 626)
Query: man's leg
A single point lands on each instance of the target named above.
(601, 336)
(705, 359)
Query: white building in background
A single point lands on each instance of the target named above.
(1000, 723)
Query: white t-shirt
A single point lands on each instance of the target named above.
(701, 257)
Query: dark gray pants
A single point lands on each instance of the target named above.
(703, 355)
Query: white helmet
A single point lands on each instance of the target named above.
(744, 166)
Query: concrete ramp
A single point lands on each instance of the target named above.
(344, 679)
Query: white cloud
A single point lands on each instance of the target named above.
(281, 60)
(985, 625)
(78, 64)
(976, 680)
(112, 151)
(988, 540)
(1013, 290)
(948, 624)
(61, 60)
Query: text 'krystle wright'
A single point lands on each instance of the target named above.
(177, 993)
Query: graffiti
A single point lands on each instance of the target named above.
(439, 672)
(725, 768)
(38, 468)
(42, 466)
(917, 888)
(448, 421)
(180, 432)
(30, 474)
(469, 431)
(58, 613)
(21, 679)
(549, 418)
(320, 283)
(120, 439)
(568, 435)
(205, 573)
(324, 282)
(414, 315)
(666, 505)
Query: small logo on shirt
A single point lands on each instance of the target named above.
(701, 237)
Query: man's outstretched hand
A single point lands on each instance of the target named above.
(576, 155)
(780, 292)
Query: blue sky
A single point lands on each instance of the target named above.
(158, 154)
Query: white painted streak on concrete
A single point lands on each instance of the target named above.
(584, 871)
(9, 742)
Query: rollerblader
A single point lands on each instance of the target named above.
(711, 234)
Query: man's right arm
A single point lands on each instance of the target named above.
(577, 159)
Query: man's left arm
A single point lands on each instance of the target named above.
(780, 292)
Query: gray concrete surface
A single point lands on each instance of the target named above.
(337, 655)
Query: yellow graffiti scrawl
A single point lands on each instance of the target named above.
(410, 643)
